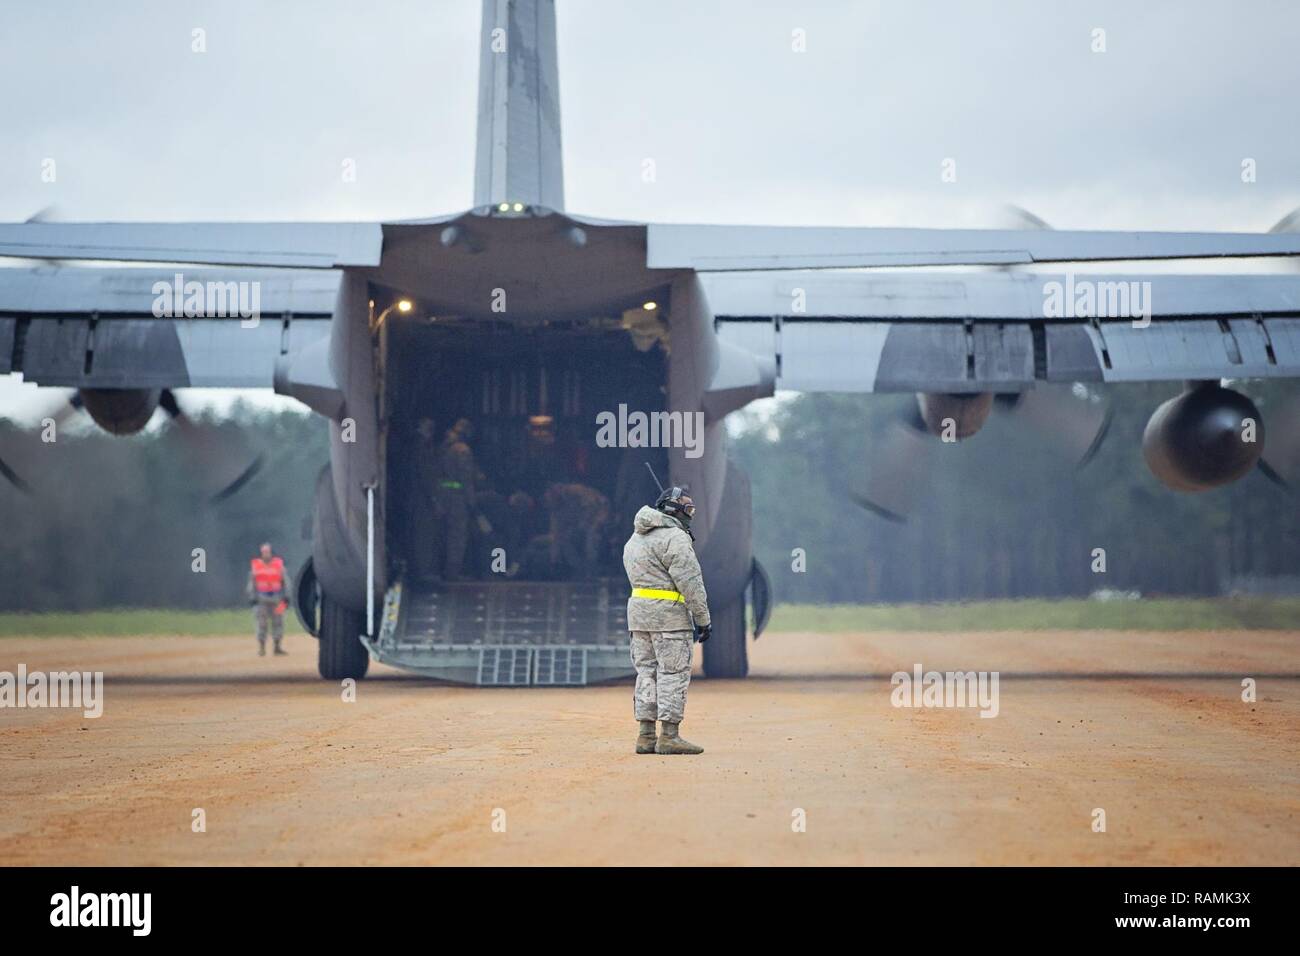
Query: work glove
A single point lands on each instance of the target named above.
(703, 632)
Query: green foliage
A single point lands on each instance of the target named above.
(114, 521)
(136, 622)
(1182, 614)
(1002, 516)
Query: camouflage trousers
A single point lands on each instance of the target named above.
(455, 536)
(663, 672)
(266, 615)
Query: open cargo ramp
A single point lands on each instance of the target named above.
(507, 633)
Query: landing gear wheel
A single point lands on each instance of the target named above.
(725, 653)
(341, 652)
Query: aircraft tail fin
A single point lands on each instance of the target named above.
(518, 158)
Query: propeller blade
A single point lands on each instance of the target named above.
(167, 402)
(1271, 474)
(19, 448)
(1288, 223)
(900, 468)
(44, 214)
(220, 455)
(14, 478)
(1021, 217)
(1011, 216)
(243, 478)
(1074, 426)
(1281, 461)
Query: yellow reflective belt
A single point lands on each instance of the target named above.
(657, 594)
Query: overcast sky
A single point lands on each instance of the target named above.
(1149, 134)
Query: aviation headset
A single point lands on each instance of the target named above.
(670, 503)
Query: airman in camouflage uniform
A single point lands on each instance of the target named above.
(667, 595)
(268, 591)
(456, 499)
(577, 524)
(424, 525)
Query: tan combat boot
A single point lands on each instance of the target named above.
(645, 739)
(670, 743)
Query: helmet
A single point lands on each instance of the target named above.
(676, 501)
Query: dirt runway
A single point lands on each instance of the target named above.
(1149, 727)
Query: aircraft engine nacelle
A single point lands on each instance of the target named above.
(957, 415)
(122, 411)
(1207, 437)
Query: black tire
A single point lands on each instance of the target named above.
(725, 652)
(342, 654)
(306, 598)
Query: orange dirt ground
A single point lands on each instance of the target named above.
(1148, 726)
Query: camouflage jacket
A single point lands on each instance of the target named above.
(456, 465)
(661, 555)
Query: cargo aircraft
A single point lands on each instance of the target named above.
(530, 321)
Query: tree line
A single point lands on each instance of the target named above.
(119, 522)
(1002, 515)
(126, 522)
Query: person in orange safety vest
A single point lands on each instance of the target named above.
(268, 589)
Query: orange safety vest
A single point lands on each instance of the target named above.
(268, 576)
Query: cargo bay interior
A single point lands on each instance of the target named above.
(540, 500)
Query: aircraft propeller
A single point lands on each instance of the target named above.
(1074, 424)
(222, 459)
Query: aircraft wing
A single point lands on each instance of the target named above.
(735, 248)
(306, 245)
(993, 332)
(101, 328)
